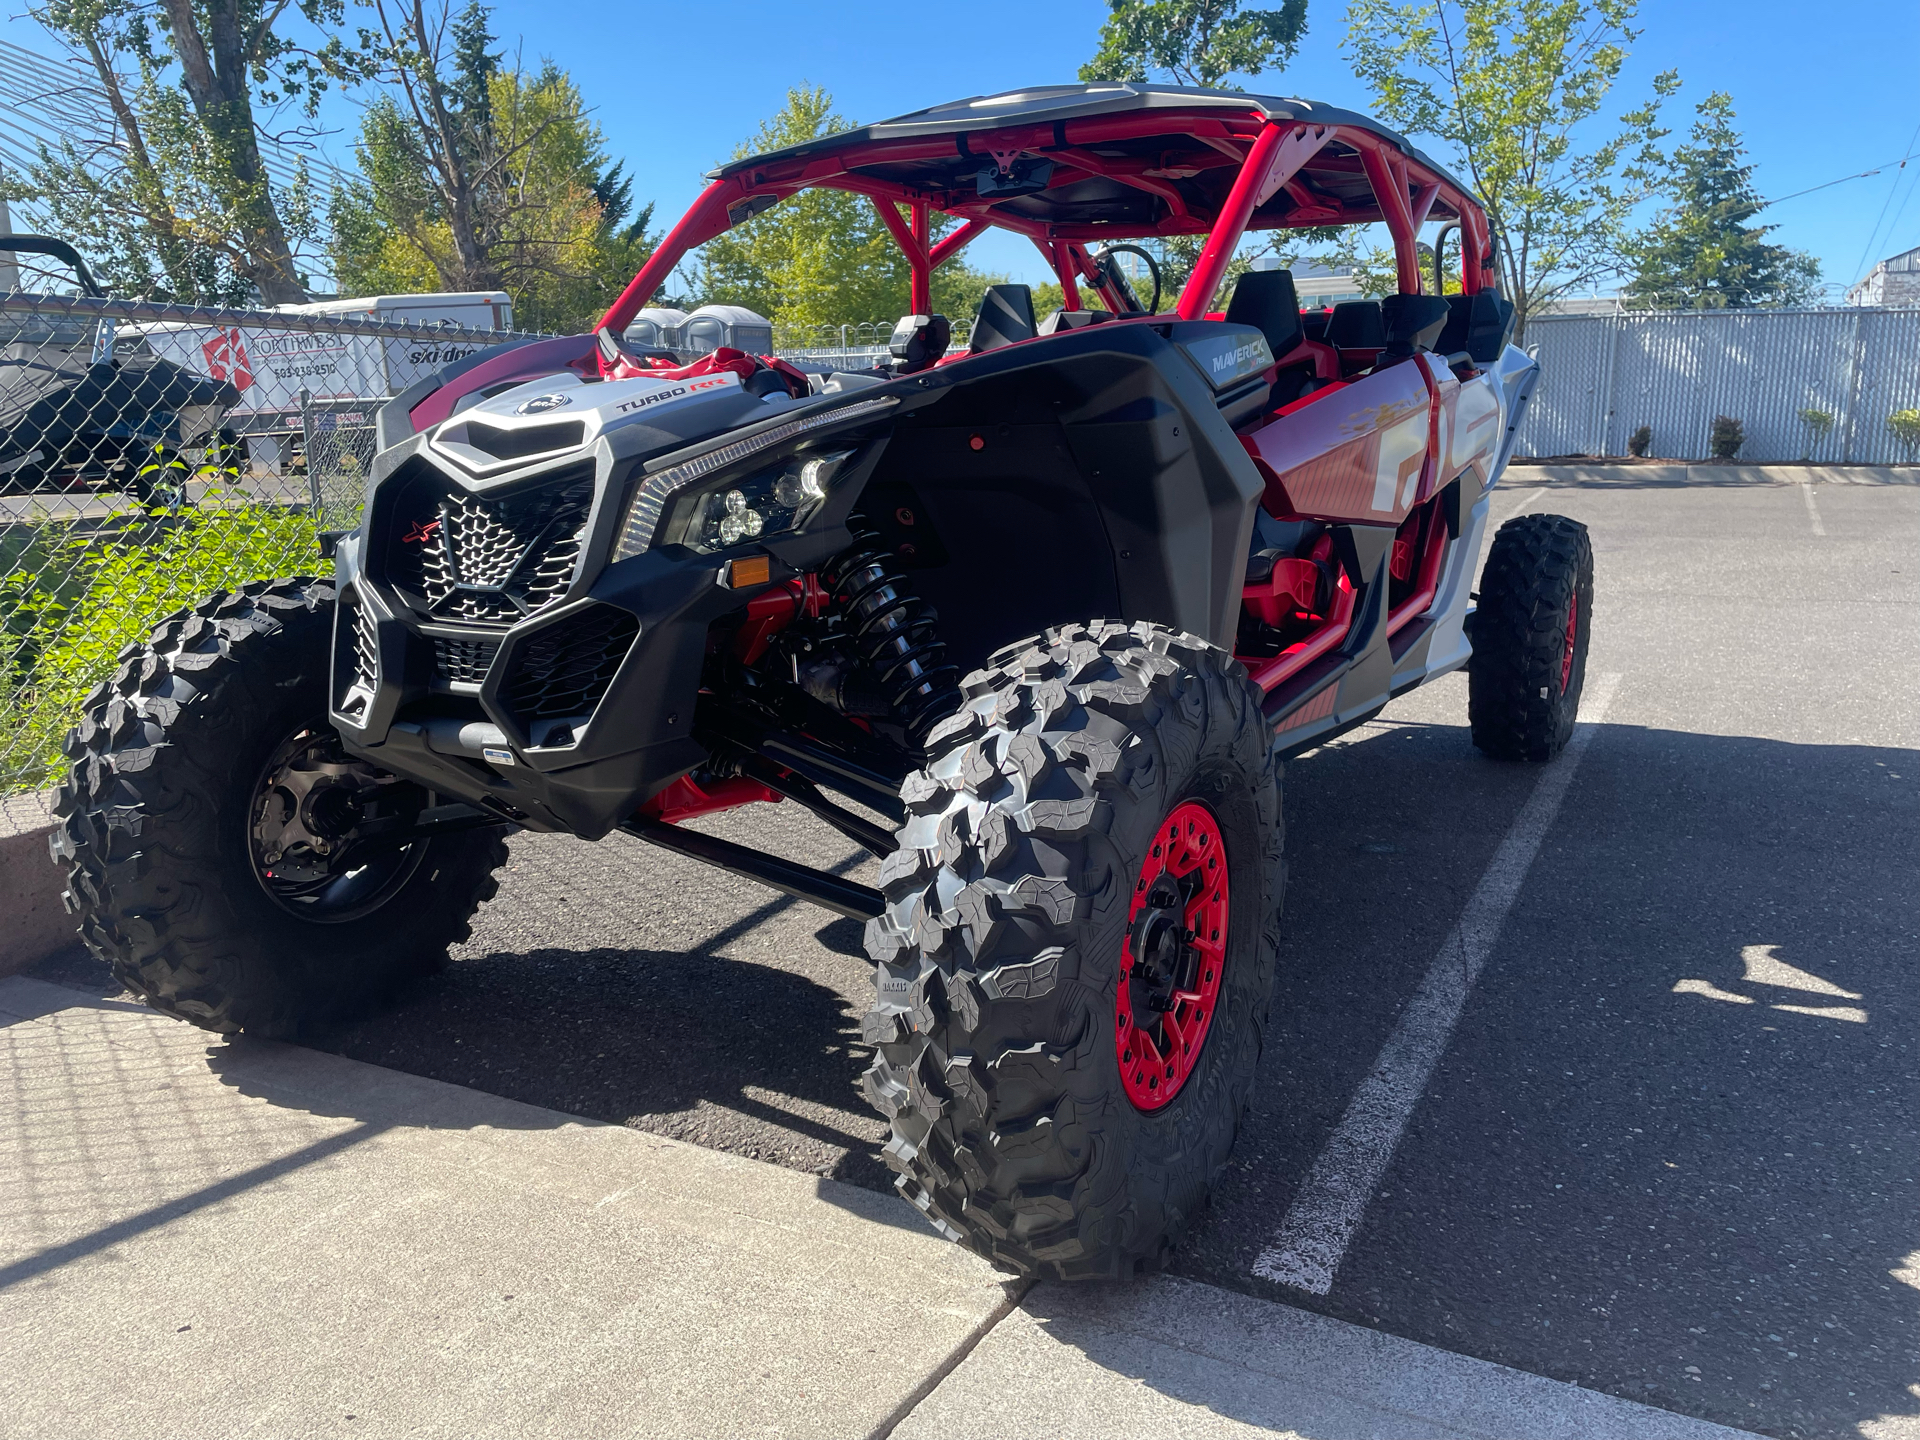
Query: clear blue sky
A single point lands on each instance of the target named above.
(1821, 91)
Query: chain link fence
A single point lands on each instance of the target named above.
(826, 348)
(151, 454)
(1805, 385)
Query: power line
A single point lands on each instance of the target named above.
(50, 101)
(1860, 270)
(1862, 175)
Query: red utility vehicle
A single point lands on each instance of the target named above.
(1052, 609)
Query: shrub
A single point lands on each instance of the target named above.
(1818, 423)
(1640, 441)
(1726, 437)
(1905, 425)
(68, 614)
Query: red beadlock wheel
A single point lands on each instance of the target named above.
(1573, 633)
(1173, 956)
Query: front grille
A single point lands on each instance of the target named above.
(563, 671)
(366, 667)
(356, 652)
(490, 562)
(462, 661)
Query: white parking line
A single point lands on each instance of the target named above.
(1321, 1222)
(1530, 501)
(1813, 511)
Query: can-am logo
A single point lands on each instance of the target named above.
(540, 404)
(226, 356)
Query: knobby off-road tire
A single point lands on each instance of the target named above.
(999, 957)
(154, 833)
(1530, 638)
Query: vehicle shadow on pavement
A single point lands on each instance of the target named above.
(744, 1039)
(730, 1054)
(1668, 1153)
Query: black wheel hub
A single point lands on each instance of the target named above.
(309, 805)
(1164, 957)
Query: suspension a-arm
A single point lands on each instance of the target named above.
(803, 882)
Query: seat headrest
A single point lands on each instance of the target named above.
(1356, 325)
(1006, 315)
(1265, 300)
(918, 341)
(1477, 324)
(1413, 322)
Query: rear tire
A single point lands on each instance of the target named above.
(1530, 636)
(1005, 995)
(158, 819)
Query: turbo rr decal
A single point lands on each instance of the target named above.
(669, 393)
(1357, 454)
(1396, 472)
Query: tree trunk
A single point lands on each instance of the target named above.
(152, 197)
(218, 86)
(473, 268)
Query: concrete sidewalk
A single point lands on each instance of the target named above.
(203, 1238)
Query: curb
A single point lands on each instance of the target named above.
(1706, 473)
(37, 924)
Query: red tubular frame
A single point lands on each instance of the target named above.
(1197, 298)
(1268, 153)
(1431, 564)
(1271, 674)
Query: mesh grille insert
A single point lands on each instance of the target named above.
(356, 652)
(564, 670)
(463, 662)
(489, 562)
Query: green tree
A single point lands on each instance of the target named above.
(1517, 89)
(1195, 42)
(1701, 254)
(822, 257)
(182, 203)
(476, 176)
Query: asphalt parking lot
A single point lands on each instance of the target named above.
(1668, 1151)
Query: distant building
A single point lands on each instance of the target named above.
(1579, 305)
(1894, 281)
(1317, 287)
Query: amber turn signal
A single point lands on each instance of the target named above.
(750, 570)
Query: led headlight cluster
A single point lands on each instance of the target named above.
(770, 500)
(768, 503)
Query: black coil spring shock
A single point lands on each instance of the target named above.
(896, 634)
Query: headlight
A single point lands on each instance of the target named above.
(769, 502)
(776, 494)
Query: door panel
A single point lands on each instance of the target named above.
(1359, 455)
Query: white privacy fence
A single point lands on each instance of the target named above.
(1604, 376)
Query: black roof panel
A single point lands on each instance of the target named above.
(1045, 104)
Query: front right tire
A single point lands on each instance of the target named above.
(171, 789)
(1074, 965)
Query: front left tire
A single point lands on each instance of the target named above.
(1074, 966)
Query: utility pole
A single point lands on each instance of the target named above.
(9, 267)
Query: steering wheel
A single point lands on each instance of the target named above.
(1110, 273)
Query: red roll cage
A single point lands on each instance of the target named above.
(1111, 163)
